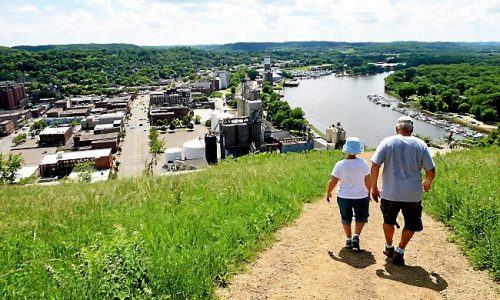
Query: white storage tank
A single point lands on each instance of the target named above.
(173, 154)
(194, 149)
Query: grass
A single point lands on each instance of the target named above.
(466, 197)
(164, 237)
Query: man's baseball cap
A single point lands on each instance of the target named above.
(404, 121)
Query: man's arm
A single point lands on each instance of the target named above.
(374, 177)
(429, 176)
(331, 185)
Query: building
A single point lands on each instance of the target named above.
(12, 95)
(97, 141)
(17, 116)
(54, 112)
(91, 121)
(205, 87)
(168, 113)
(61, 104)
(62, 163)
(108, 128)
(170, 97)
(76, 112)
(250, 90)
(7, 127)
(55, 136)
(223, 80)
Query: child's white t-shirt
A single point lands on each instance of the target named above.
(351, 173)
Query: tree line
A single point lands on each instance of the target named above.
(460, 88)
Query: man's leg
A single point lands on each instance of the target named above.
(389, 233)
(406, 236)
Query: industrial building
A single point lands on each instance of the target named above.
(55, 136)
(12, 95)
(62, 163)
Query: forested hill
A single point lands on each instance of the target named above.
(398, 47)
(109, 47)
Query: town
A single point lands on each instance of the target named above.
(174, 126)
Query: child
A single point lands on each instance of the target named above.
(353, 192)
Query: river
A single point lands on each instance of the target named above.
(333, 99)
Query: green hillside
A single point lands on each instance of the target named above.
(466, 197)
(178, 237)
(151, 237)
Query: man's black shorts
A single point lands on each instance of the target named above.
(412, 213)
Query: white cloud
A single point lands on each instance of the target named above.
(26, 8)
(49, 8)
(168, 22)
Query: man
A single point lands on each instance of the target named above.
(403, 157)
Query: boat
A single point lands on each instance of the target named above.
(291, 83)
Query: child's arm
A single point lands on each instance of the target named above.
(368, 184)
(331, 185)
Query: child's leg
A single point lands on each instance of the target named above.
(345, 207)
(361, 211)
(347, 230)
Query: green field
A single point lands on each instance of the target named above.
(466, 197)
(161, 237)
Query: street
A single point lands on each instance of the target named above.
(135, 147)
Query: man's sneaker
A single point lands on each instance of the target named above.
(389, 251)
(398, 259)
(348, 244)
(355, 243)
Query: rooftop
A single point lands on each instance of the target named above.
(55, 130)
(53, 158)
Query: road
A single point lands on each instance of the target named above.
(135, 147)
(6, 143)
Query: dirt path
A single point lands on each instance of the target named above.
(308, 261)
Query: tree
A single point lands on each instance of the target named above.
(18, 139)
(197, 119)
(73, 123)
(406, 89)
(9, 167)
(297, 113)
(38, 125)
(190, 125)
(252, 74)
(85, 170)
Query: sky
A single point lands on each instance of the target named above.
(195, 22)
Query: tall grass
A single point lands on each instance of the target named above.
(169, 237)
(466, 196)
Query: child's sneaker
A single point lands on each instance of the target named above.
(348, 244)
(355, 243)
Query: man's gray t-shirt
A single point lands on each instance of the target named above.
(403, 158)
